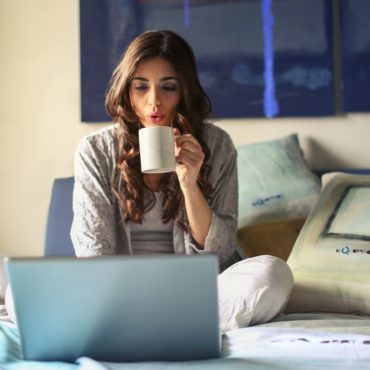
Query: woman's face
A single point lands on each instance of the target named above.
(155, 92)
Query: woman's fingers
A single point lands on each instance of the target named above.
(187, 145)
(176, 132)
(195, 156)
(188, 141)
(189, 158)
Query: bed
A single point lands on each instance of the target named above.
(326, 324)
(303, 341)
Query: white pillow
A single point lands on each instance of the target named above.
(253, 291)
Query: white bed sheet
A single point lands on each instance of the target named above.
(294, 341)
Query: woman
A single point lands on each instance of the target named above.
(120, 210)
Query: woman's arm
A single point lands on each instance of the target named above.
(199, 214)
(221, 238)
(189, 157)
(213, 225)
(94, 224)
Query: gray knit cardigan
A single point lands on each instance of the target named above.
(97, 227)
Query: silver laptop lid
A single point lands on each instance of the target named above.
(121, 308)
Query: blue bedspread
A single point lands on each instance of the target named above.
(295, 341)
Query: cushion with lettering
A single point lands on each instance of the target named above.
(330, 260)
(277, 190)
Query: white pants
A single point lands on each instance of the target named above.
(253, 291)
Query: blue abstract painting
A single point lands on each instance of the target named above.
(356, 55)
(256, 58)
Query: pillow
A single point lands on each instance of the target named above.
(276, 188)
(275, 238)
(330, 260)
(253, 291)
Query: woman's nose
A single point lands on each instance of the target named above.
(154, 99)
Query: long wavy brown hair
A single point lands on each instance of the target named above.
(194, 107)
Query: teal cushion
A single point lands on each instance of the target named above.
(275, 182)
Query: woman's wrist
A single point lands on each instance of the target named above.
(189, 189)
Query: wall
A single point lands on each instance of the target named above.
(40, 119)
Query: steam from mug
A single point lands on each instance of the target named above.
(157, 149)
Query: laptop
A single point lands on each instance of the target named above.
(117, 309)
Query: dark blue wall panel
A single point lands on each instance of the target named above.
(356, 55)
(228, 40)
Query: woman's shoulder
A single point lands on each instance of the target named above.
(101, 140)
(104, 134)
(96, 153)
(215, 136)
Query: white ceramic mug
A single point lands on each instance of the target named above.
(157, 149)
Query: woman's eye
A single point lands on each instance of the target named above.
(169, 88)
(141, 87)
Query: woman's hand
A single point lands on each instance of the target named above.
(189, 158)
